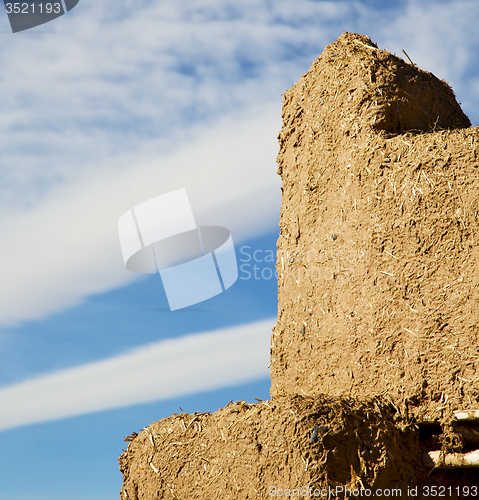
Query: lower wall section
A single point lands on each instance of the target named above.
(288, 447)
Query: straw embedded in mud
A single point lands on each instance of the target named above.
(373, 355)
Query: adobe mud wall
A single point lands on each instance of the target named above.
(378, 286)
(378, 251)
(247, 451)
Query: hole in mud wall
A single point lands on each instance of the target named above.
(429, 436)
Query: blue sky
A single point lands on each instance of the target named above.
(113, 104)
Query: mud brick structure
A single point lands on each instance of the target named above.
(376, 343)
(378, 256)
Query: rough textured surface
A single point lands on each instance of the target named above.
(378, 286)
(252, 451)
(243, 450)
(377, 255)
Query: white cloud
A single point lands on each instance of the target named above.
(114, 76)
(67, 247)
(163, 370)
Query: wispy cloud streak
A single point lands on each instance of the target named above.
(166, 369)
